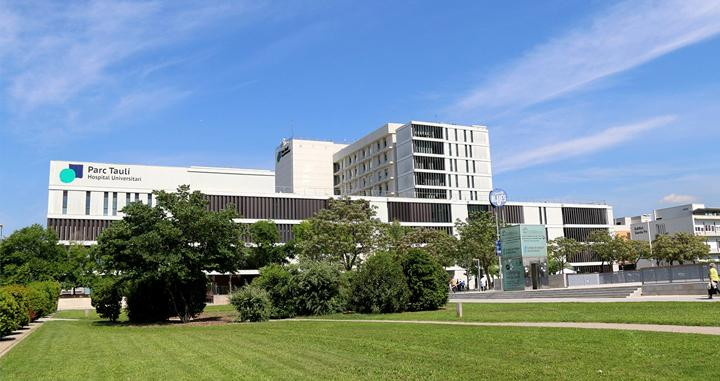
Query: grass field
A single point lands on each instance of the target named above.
(90, 349)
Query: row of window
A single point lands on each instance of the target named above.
(106, 201)
(435, 132)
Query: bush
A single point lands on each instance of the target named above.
(316, 288)
(50, 292)
(106, 297)
(426, 279)
(20, 293)
(380, 286)
(277, 281)
(10, 314)
(252, 303)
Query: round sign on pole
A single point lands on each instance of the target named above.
(498, 197)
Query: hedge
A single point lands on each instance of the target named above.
(11, 313)
(252, 303)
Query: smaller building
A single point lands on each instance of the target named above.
(691, 218)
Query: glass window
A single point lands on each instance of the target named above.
(87, 203)
(114, 206)
(64, 202)
(137, 196)
(150, 199)
(105, 203)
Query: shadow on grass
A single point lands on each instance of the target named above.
(203, 320)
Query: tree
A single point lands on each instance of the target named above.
(477, 241)
(641, 249)
(265, 250)
(426, 279)
(346, 232)
(77, 268)
(601, 243)
(163, 250)
(438, 243)
(560, 250)
(665, 249)
(691, 247)
(623, 251)
(30, 254)
(379, 285)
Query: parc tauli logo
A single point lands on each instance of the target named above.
(96, 173)
(74, 171)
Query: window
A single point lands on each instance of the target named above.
(137, 196)
(64, 202)
(422, 146)
(431, 163)
(384, 142)
(127, 198)
(427, 131)
(114, 206)
(150, 199)
(87, 203)
(465, 135)
(472, 136)
(433, 179)
(105, 203)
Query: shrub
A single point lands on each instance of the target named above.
(20, 293)
(380, 286)
(277, 281)
(10, 314)
(252, 303)
(106, 297)
(35, 302)
(50, 292)
(316, 288)
(426, 279)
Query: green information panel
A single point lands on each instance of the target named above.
(518, 242)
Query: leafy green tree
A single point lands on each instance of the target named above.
(168, 247)
(277, 281)
(691, 247)
(665, 249)
(316, 288)
(560, 250)
(438, 243)
(77, 268)
(106, 297)
(641, 249)
(600, 242)
(477, 242)
(379, 285)
(345, 232)
(623, 251)
(426, 279)
(264, 238)
(30, 254)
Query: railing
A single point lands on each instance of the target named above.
(676, 274)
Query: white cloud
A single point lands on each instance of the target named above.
(579, 146)
(673, 198)
(625, 36)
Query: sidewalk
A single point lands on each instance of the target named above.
(661, 298)
(7, 342)
(701, 330)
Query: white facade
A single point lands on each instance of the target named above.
(305, 166)
(691, 218)
(102, 190)
(418, 160)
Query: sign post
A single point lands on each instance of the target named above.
(498, 198)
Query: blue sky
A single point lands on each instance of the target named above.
(585, 100)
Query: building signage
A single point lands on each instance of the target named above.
(284, 150)
(96, 173)
(498, 198)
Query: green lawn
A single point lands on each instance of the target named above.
(675, 313)
(92, 350)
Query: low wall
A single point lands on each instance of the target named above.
(556, 281)
(692, 288)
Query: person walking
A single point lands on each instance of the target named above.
(483, 283)
(453, 284)
(714, 280)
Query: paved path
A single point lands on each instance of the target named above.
(627, 327)
(7, 342)
(633, 299)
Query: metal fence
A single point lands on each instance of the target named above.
(697, 272)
